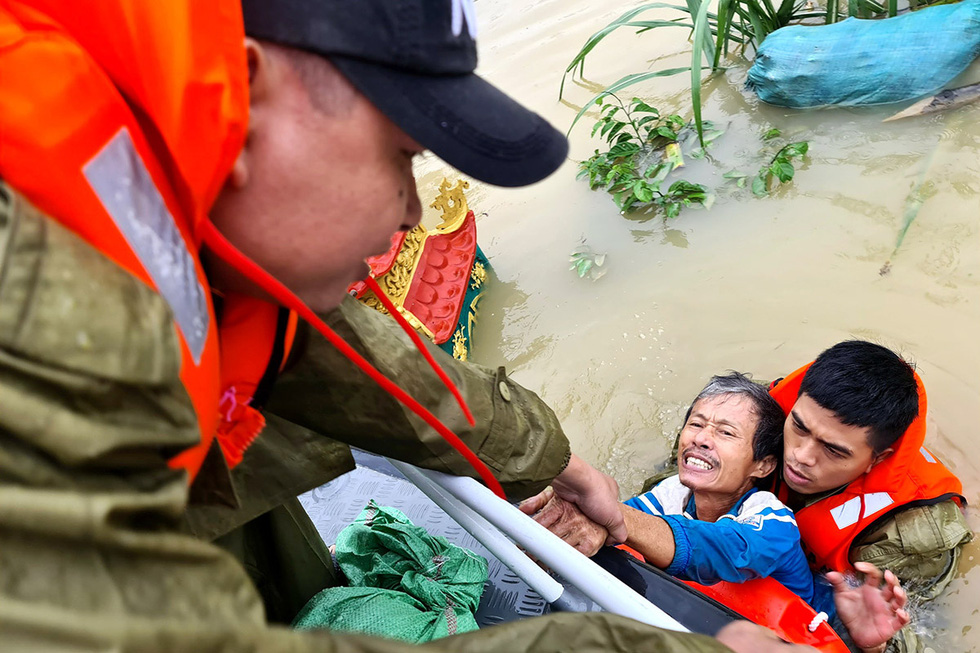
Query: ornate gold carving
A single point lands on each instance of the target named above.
(459, 345)
(397, 280)
(416, 323)
(452, 202)
(478, 275)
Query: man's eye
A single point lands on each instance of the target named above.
(696, 425)
(728, 433)
(834, 453)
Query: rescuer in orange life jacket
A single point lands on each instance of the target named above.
(137, 138)
(856, 472)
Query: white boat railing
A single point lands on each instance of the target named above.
(492, 521)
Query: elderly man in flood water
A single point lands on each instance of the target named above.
(711, 521)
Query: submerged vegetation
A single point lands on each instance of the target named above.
(587, 263)
(645, 148)
(738, 25)
(779, 169)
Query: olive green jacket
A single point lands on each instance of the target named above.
(94, 549)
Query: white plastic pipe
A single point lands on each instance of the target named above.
(592, 580)
(489, 536)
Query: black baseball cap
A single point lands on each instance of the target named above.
(414, 59)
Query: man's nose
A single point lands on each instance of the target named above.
(413, 206)
(805, 454)
(703, 438)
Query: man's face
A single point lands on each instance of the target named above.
(715, 450)
(820, 452)
(315, 192)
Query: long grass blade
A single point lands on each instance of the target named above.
(697, 8)
(595, 39)
(622, 83)
(701, 38)
(724, 35)
(832, 8)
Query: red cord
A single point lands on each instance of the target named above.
(413, 334)
(220, 245)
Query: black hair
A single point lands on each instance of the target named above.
(865, 385)
(768, 437)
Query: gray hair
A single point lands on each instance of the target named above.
(768, 437)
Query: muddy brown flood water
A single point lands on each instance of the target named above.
(756, 285)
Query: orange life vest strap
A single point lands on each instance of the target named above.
(256, 337)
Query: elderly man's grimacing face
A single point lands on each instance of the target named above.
(715, 451)
(820, 452)
(323, 182)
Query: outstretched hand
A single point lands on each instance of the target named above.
(595, 494)
(871, 612)
(565, 520)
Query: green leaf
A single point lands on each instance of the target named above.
(795, 150)
(615, 130)
(771, 134)
(642, 191)
(782, 170)
(622, 83)
(643, 107)
(734, 174)
(759, 185)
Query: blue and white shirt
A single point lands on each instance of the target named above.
(757, 538)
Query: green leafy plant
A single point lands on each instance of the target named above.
(643, 151)
(779, 169)
(586, 263)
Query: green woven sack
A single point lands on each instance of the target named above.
(404, 583)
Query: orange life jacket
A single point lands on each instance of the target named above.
(105, 135)
(769, 603)
(121, 120)
(256, 339)
(910, 476)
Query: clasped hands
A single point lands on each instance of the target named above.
(872, 611)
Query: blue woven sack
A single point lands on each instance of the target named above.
(864, 62)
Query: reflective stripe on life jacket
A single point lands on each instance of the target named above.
(127, 146)
(910, 476)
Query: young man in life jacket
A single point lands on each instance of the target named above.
(856, 471)
(713, 520)
(137, 137)
(866, 492)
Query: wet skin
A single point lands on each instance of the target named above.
(822, 453)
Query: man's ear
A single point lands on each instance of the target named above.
(878, 458)
(260, 84)
(764, 467)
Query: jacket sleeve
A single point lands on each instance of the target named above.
(91, 407)
(729, 549)
(516, 434)
(920, 545)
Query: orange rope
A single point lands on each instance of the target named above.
(220, 245)
(413, 334)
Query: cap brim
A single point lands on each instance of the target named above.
(465, 121)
